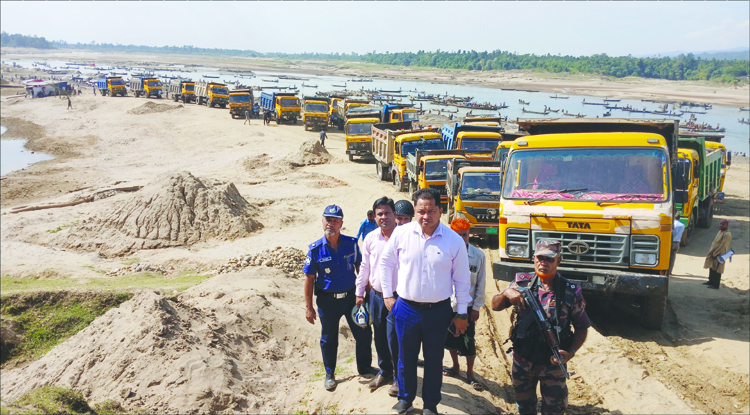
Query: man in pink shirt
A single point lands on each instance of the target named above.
(386, 341)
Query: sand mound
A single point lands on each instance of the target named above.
(233, 344)
(177, 209)
(309, 153)
(150, 108)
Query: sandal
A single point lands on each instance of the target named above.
(449, 371)
(474, 384)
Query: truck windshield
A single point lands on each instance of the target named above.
(622, 175)
(289, 102)
(411, 116)
(359, 128)
(481, 186)
(153, 84)
(219, 90)
(316, 107)
(410, 147)
(436, 169)
(189, 87)
(479, 145)
(117, 82)
(239, 98)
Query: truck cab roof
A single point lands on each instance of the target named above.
(593, 139)
(415, 136)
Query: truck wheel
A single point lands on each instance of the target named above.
(379, 171)
(652, 311)
(351, 157)
(412, 189)
(223, 106)
(398, 183)
(295, 121)
(689, 229)
(705, 214)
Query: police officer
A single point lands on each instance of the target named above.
(331, 266)
(404, 212)
(532, 360)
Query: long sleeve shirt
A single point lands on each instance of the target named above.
(677, 229)
(372, 247)
(429, 268)
(365, 227)
(477, 269)
(719, 247)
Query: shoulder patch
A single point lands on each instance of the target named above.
(521, 276)
(315, 244)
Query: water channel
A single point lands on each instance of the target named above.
(13, 155)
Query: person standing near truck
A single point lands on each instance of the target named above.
(266, 117)
(719, 247)
(564, 307)
(247, 116)
(677, 229)
(323, 137)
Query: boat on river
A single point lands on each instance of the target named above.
(522, 102)
(558, 97)
(270, 80)
(611, 100)
(743, 121)
(534, 112)
(309, 86)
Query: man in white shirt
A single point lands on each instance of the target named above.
(677, 229)
(464, 344)
(386, 340)
(431, 263)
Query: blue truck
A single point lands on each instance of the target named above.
(284, 106)
(112, 86)
(474, 138)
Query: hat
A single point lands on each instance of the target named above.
(404, 207)
(333, 211)
(547, 247)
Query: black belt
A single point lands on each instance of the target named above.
(395, 294)
(423, 306)
(337, 296)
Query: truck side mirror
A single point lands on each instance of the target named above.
(696, 170)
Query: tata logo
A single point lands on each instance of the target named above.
(578, 247)
(579, 225)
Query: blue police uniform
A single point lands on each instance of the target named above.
(335, 276)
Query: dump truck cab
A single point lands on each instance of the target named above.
(240, 100)
(603, 188)
(315, 112)
(392, 142)
(501, 152)
(400, 113)
(473, 191)
(358, 130)
(212, 94)
(333, 111)
(152, 87)
(116, 86)
(429, 169)
(478, 140)
(344, 107)
(182, 91)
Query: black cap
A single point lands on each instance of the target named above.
(404, 207)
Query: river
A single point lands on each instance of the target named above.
(13, 155)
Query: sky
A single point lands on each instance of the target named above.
(567, 28)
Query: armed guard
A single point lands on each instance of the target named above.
(565, 309)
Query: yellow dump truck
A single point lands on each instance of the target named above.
(240, 100)
(473, 191)
(182, 91)
(284, 106)
(144, 86)
(333, 109)
(429, 169)
(392, 142)
(344, 106)
(726, 160)
(315, 112)
(112, 86)
(478, 140)
(485, 121)
(603, 188)
(212, 94)
(358, 130)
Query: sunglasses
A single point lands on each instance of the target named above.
(543, 258)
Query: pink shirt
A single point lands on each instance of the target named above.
(429, 269)
(371, 248)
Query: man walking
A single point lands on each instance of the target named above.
(386, 340)
(70, 105)
(247, 116)
(367, 225)
(430, 263)
(323, 137)
(464, 344)
(677, 229)
(404, 212)
(331, 266)
(719, 247)
(564, 307)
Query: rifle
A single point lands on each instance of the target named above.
(540, 317)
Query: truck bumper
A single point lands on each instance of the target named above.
(483, 229)
(359, 152)
(600, 281)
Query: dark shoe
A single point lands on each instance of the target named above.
(369, 372)
(428, 411)
(393, 390)
(401, 408)
(330, 383)
(379, 381)
(715, 287)
(706, 283)
(450, 371)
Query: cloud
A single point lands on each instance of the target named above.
(726, 34)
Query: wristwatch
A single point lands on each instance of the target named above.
(463, 316)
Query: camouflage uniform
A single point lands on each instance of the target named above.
(552, 381)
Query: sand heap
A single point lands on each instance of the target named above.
(177, 209)
(150, 108)
(232, 344)
(309, 153)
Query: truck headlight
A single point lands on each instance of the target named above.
(644, 259)
(518, 251)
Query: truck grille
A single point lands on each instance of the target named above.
(440, 188)
(590, 248)
(358, 146)
(484, 215)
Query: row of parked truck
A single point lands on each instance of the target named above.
(607, 189)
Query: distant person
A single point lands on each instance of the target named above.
(677, 229)
(247, 116)
(94, 88)
(267, 118)
(404, 212)
(714, 260)
(70, 105)
(323, 137)
(367, 225)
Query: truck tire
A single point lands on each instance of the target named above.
(351, 157)
(398, 183)
(687, 235)
(412, 189)
(652, 311)
(705, 213)
(224, 106)
(340, 125)
(295, 121)
(380, 171)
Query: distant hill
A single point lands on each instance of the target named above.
(725, 54)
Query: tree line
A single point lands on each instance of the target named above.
(682, 67)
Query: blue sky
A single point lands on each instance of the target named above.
(567, 28)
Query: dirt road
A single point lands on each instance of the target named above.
(697, 364)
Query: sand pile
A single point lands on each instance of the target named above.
(233, 344)
(309, 153)
(290, 260)
(177, 209)
(150, 108)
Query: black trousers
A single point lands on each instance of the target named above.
(714, 278)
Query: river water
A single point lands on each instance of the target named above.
(736, 135)
(13, 156)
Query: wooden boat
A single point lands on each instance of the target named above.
(607, 114)
(743, 121)
(694, 112)
(611, 100)
(339, 86)
(744, 109)
(522, 102)
(508, 89)
(558, 97)
(534, 112)
(551, 110)
(593, 103)
(270, 80)
(613, 108)
(384, 91)
(209, 76)
(310, 86)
